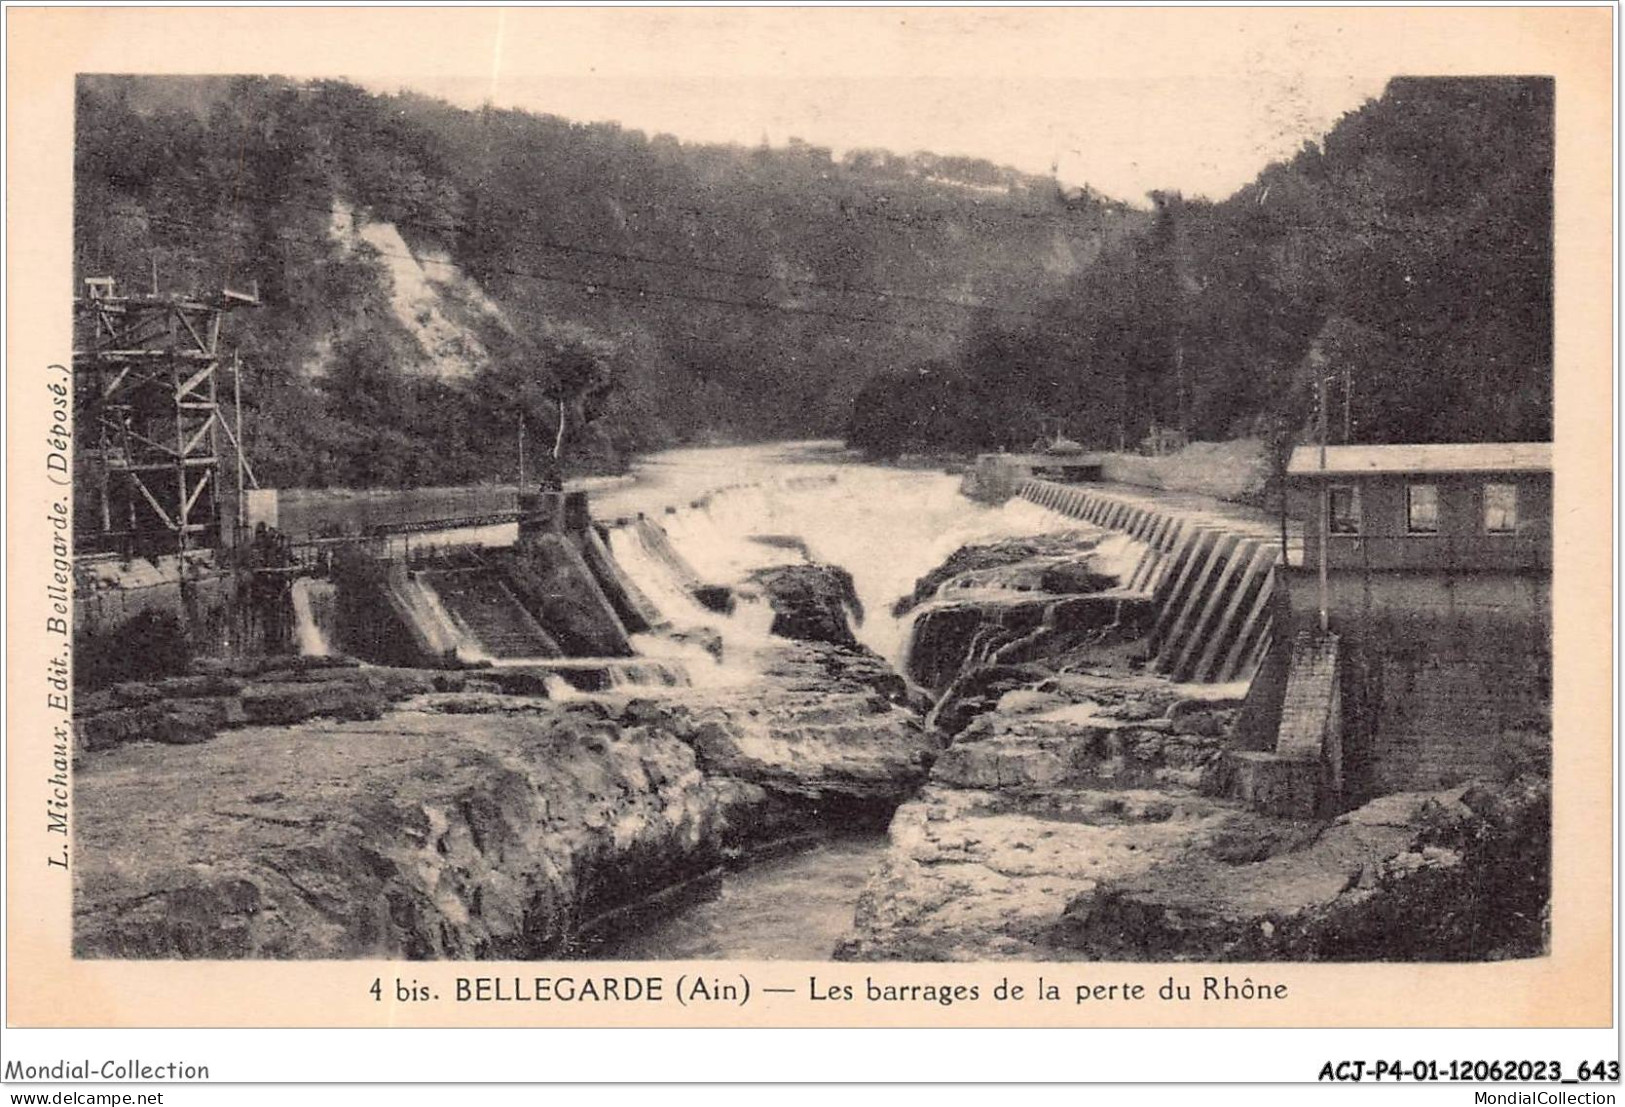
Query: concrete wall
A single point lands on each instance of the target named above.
(1210, 579)
(1298, 771)
(1236, 470)
(317, 511)
(1505, 600)
(201, 596)
(1443, 677)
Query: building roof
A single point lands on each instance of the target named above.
(1445, 457)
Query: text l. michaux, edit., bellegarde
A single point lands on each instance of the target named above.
(58, 620)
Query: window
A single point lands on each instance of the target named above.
(1343, 509)
(1500, 508)
(1422, 508)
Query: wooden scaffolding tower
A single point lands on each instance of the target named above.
(146, 384)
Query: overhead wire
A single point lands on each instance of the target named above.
(595, 286)
(842, 288)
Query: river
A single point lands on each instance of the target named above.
(728, 511)
(796, 907)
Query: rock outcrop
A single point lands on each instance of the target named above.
(1067, 781)
(1454, 875)
(416, 835)
(1015, 564)
(954, 638)
(824, 729)
(225, 694)
(811, 602)
(416, 813)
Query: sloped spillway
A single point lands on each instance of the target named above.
(490, 620)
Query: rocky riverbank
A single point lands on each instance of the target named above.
(317, 808)
(1079, 811)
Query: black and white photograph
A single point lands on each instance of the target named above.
(505, 533)
(629, 519)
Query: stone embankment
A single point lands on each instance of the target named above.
(326, 809)
(1080, 810)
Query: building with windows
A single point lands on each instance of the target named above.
(1450, 509)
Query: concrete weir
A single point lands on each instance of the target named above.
(555, 594)
(1211, 578)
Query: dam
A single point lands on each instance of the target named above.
(1207, 569)
(641, 720)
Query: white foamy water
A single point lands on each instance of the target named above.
(887, 527)
(445, 630)
(306, 593)
(744, 631)
(738, 509)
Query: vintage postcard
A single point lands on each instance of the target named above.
(810, 517)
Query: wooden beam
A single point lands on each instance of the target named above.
(194, 380)
(197, 490)
(151, 499)
(208, 425)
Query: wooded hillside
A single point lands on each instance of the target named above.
(429, 274)
(1407, 256)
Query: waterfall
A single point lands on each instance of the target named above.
(646, 674)
(743, 631)
(559, 689)
(751, 621)
(442, 634)
(655, 579)
(571, 677)
(312, 613)
(701, 667)
(886, 527)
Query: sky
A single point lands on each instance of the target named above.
(1123, 100)
(1201, 136)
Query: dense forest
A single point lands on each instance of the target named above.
(431, 275)
(1406, 259)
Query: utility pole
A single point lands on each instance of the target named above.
(1122, 409)
(237, 406)
(1325, 490)
(1184, 388)
(1348, 401)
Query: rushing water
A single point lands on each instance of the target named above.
(312, 603)
(726, 512)
(794, 908)
(729, 510)
(742, 508)
(712, 516)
